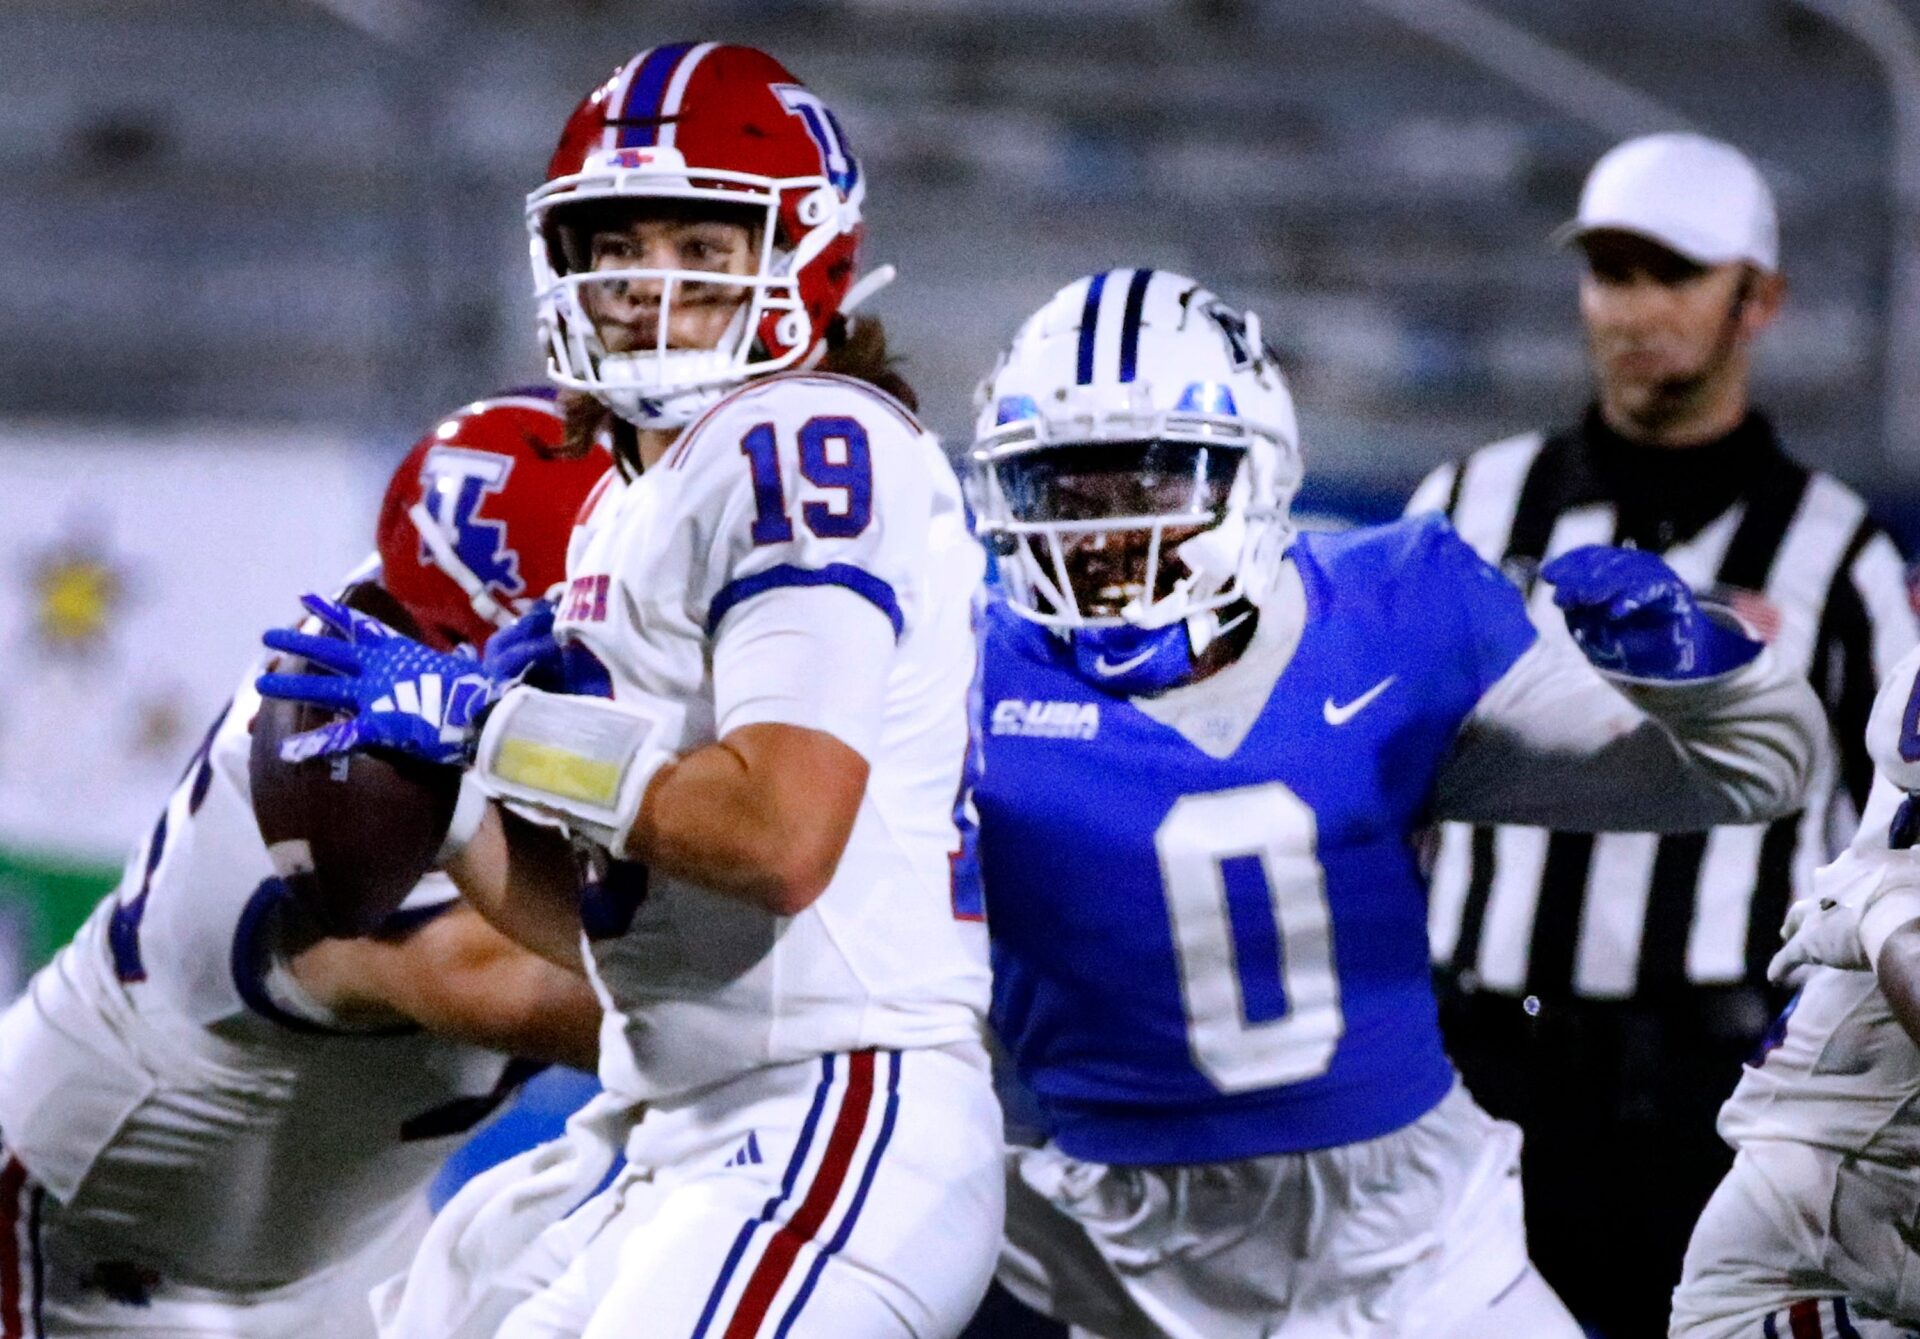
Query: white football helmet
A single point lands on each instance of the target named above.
(1143, 375)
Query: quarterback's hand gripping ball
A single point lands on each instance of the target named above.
(525, 651)
(351, 835)
(1632, 615)
(400, 695)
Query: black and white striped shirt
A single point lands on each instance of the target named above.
(1527, 911)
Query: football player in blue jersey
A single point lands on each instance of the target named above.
(1210, 744)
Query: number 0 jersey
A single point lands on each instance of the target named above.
(1201, 958)
(821, 489)
(152, 1081)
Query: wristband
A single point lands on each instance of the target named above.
(587, 760)
(1884, 913)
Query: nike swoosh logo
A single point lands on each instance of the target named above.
(1102, 666)
(1337, 715)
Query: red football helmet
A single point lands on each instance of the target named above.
(699, 122)
(476, 519)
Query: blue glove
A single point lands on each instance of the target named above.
(404, 697)
(1632, 615)
(528, 652)
(525, 650)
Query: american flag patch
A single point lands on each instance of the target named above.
(1751, 608)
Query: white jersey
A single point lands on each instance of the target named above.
(183, 1119)
(794, 482)
(1840, 1072)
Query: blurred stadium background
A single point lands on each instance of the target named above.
(252, 248)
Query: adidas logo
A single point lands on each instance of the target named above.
(748, 1154)
(448, 708)
(1045, 720)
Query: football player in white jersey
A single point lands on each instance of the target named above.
(212, 1123)
(1815, 1231)
(782, 916)
(1211, 744)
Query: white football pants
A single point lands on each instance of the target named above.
(848, 1197)
(60, 1283)
(1802, 1243)
(1416, 1235)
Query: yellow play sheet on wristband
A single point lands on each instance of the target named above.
(558, 771)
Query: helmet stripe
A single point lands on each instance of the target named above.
(1089, 323)
(1130, 323)
(677, 91)
(645, 93)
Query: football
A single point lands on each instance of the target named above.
(351, 835)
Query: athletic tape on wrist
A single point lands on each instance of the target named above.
(468, 811)
(585, 759)
(1885, 912)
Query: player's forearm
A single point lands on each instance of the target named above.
(1554, 744)
(1752, 736)
(458, 977)
(523, 879)
(762, 815)
(1898, 971)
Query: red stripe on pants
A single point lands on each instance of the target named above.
(771, 1272)
(12, 1181)
(1804, 1317)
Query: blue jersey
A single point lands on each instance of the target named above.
(1200, 959)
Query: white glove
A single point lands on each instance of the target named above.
(1858, 901)
(1820, 932)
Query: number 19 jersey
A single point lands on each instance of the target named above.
(793, 483)
(1201, 958)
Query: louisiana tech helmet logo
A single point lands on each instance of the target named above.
(836, 160)
(454, 486)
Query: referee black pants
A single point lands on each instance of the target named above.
(1617, 1100)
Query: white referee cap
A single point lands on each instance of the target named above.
(1698, 197)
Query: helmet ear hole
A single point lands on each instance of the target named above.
(816, 207)
(791, 329)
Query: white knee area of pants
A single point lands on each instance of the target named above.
(911, 1260)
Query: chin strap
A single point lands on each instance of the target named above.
(1205, 627)
(448, 561)
(866, 286)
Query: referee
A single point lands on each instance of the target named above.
(1603, 990)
